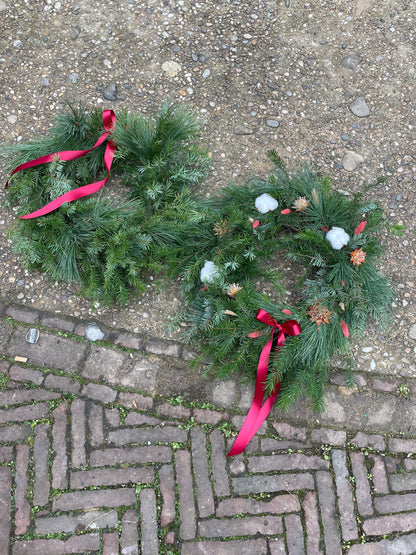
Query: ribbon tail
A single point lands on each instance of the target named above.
(80, 191)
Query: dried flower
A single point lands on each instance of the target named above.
(233, 289)
(357, 257)
(221, 229)
(319, 314)
(301, 204)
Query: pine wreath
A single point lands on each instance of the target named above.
(219, 248)
(106, 241)
(225, 263)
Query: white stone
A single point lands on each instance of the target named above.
(337, 237)
(266, 203)
(171, 68)
(209, 272)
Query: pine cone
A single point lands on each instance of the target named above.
(357, 257)
(319, 314)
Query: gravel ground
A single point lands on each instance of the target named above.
(326, 83)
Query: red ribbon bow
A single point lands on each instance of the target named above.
(109, 120)
(258, 413)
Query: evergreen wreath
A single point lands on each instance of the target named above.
(230, 243)
(220, 248)
(104, 242)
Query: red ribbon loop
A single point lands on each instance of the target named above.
(109, 120)
(258, 412)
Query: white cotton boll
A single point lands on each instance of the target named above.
(337, 237)
(265, 203)
(209, 272)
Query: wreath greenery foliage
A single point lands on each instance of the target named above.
(221, 248)
(106, 244)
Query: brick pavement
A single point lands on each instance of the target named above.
(92, 463)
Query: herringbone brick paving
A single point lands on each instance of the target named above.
(87, 467)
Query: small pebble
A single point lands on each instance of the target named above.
(272, 123)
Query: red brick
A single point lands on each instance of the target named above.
(129, 341)
(167, 489)
(176, 411)
(50, 351)
(96, 425)
(129, 533)
(72, 523)
(281, 482)
(62, 384)
(113, 417)
(74, 544)
(97, 392)
(328, 512)
(135, 401)
(56, 322)
(27, 412)
(161, 347)
(365, 440)
(22, 314)
(6, 453)
(329, 437)
(22, 516)
(403, 482)
(219, 465)
(186, 495)
(111, 477)
(5, 507)
(289, 432)
(277, 546)
(402, 445)
(404, 545)
(149, 525)
(388, 524)
(138, 419)
(294, 461)
(278, 505)
(15, 433)
(379, 475)
(395, 503)
(234, 547)
(344, 494)
(20, 396)
(249, 526)
(205, 500)
(73, 501)
(78, 436)
(294, 534)
(167, 434)
(110, 543)
(212, 417)
(140, 455)
(60, 459)
(312, 527)
(41, 459)
(268, 444)
(21, 374)
(362, 486)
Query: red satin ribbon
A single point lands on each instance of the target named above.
(258, 413)
(109, 120)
